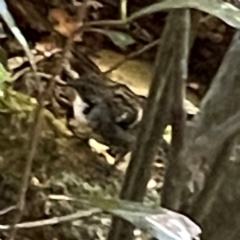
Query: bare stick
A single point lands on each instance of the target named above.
(36, 128)
(171, 196)
(53, 221)
(132, 55)
(7, 210)
(105, 23)
(152, 126)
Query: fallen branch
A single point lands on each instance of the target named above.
(132, 55)
(53, 221)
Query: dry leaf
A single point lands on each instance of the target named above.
(47, 46)
(64, 23)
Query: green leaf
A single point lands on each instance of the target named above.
(4, 76)
(120, 39)
(7, 17)
(223, 10)
(160, 222)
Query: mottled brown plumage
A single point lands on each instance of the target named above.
(113, 113)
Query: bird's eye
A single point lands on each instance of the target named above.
(125, 120)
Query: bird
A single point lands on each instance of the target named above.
(108, 111)
(112, 110)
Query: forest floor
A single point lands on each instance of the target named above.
(67, 170)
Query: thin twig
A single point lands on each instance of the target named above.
(81, 16)
(7, 210)
(36, 128)
(55, 220)
(34, 134)
(105, 23)
(33, 143)
(154, 117)
(20, 73)
(34, 139)
(132, 55)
